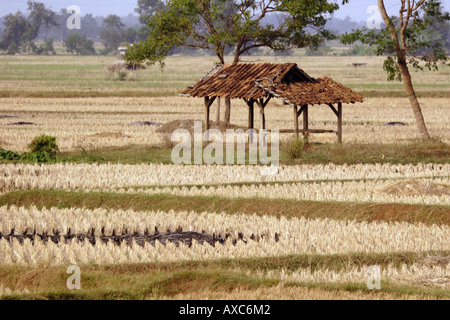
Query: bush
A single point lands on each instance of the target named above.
(294, 148)
(43, 149)
(44, 144)
(26, 156)
(122, 75)
(9, 155)
(79, 44)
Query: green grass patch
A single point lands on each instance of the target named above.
(414, 152)
(163, 279)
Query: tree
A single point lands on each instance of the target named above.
(241, 24)
(129, 35)
(79, 44)
(146, 9)
(401, 41)
(46, 48)
(21, 31)
(111, 33)
(89, 26)
(39, 16)
(16, 26)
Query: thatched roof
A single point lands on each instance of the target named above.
(284, 80)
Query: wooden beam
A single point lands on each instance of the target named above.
(333, 109)
(305, 123)
(262, 104)
(299, 112)
(218, 111)
(339, 116)
(309, 131)
(262, 118)
(208, 102)
(295, 120)
(251, 116)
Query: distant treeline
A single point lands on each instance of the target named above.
(20, 32)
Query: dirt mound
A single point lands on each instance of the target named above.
(109, 135)
(189, 125)
(417, 187)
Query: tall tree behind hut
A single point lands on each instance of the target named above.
(241, 25)
(402, 40)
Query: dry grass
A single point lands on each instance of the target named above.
(108, 176)
(417, 214)
(262, 236)
(283, 292)
(417, 188)
(71, 120)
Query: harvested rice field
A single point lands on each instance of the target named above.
(368, 219)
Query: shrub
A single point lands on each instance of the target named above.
(294, 148)
(44, 144)
(9, 155)
(122, 75)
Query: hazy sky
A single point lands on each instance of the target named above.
(356, 9)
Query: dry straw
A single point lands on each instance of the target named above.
(297, 235)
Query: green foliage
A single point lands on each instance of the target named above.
(129, 35)
(147, 8)
(219, 24)
(359, 50)
(294, 148)
(21, 30)
(420, 51)
(322, 50)
(46, 48)
(122, 75)
(44, 143)
(26, 156)
(9, 155)
(43, 149)
(111, 33)
(16, 26)
(79, 44)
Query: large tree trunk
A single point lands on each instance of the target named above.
(413, 100)
(401, 48)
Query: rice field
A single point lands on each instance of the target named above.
(165, 231)
(93, 123)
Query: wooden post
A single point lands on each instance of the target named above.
(263, 117)
(251, 116)
(208, 102)
(296, 121)
(339, 116)
(207, 105)
(305, 122)
(218, 111)
(262, 104)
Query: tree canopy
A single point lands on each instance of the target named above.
(240, 24)
(79, 44)
(21, 30)
(417, 38)
(404, 42)
(111, 33)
